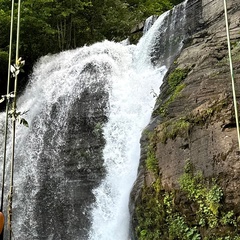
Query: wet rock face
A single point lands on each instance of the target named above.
(178, 26)
(205, 103)
(66, 183)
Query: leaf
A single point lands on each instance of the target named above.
(11, 95)
(2, 99)
(10, 112)
(17, 72)
(12, 69)
(24, 122)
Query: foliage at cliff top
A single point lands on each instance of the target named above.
(49, 26)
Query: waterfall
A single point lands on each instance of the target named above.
(131, 106)
(86, 108)
(131, 102)
(149, 22)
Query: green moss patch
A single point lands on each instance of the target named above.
(176, 85)
(181, 126)
(176, 77)
(173, 96)
(195, 211)
(151, 161)
(172, 128)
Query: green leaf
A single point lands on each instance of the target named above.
(2, 99)
(23, 122)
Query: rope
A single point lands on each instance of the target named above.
(232, 74)
(6, 117)
(7, 108)
(10, 197)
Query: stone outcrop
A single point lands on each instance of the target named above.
(63, 162)
(79, 169)
(196, 122)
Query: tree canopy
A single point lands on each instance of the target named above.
(50, 26)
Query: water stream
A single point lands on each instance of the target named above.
(77, 162)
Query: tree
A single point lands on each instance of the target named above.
(50, 26)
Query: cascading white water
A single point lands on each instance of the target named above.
(131, 106)
(149, 22)
(127, 74)
(131, 102)
(58, 80)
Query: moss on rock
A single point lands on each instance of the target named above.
(194, 211)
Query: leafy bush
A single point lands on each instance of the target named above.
(159, 217)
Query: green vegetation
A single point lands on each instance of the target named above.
(52, 26)
(235, 54)
(49, 26)
(206, 196)
(175, 94)
(176, 77)
(150, 213)
(199, 214)
(181, 126)
(151, 161)
(97, 131)
(173, 128)
(3, 67)
(175, 87)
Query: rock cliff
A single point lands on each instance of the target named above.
(189, 172)
(59, 157)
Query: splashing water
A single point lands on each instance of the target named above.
(131, 103)
(131, 82)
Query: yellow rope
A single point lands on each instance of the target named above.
(6, 112)
(10, 196)
(14, 126)
(232, 74)
(7, 107)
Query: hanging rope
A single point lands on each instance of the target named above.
(17, 65)
(232, 74)
(6, 125)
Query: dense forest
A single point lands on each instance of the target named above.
(50, 26)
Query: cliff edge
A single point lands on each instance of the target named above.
(189, 173)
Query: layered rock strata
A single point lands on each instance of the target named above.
(193, 120)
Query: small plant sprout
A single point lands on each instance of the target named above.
(17, 67)
(154, 93)
(8, 96)
(17, 116)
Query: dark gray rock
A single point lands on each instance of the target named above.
(211, 144)
(63, 162)
(175, 31)
(66, 184)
